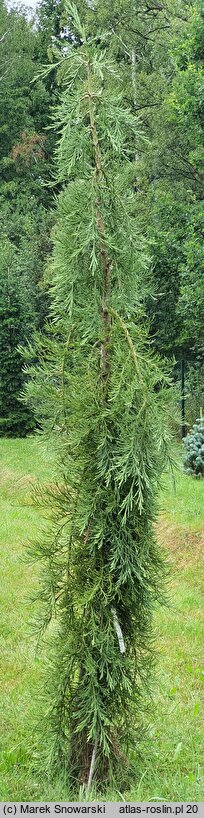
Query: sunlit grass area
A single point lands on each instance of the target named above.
(183, 500)
(169, 765)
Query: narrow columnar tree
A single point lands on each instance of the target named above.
(100, 393)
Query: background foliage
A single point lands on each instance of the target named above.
(159, 48)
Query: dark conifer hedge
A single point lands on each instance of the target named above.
(15, 419)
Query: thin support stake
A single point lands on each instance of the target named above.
(118, 630)
(183, 428)
(92, 765)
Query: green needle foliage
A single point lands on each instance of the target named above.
(100, 396)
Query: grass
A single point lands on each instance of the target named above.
(169, 765)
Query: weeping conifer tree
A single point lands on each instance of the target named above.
(100, 392)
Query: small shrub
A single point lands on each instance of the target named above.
(194, 449)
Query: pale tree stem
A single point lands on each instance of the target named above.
(92, 765)
(133, 60)
(118, 631)
(3, 36)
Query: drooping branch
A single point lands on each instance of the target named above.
(105, 260)
(63, 368)
(124, 328)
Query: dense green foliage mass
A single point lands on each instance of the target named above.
(25, 204)
(15, 420)
(100, 392)
(176, 192)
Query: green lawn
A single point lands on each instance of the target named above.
(169, 765)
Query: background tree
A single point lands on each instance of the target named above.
(174, 195)
(15, 313)
(25, 202)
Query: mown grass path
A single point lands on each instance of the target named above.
(170, 763)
